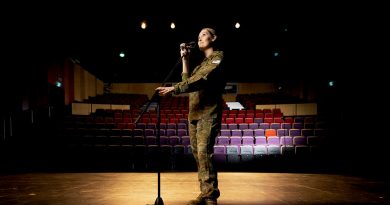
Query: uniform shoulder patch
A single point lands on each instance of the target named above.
(216, 61)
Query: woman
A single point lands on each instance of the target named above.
(205, 86)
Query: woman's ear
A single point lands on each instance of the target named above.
(214, 38)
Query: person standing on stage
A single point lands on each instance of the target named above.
(205, 86)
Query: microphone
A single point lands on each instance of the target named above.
(190, 45)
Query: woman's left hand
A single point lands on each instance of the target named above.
(165, 90)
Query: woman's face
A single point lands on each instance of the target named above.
(205, 39)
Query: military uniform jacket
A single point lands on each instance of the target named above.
(205, 87)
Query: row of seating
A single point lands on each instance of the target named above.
(273, 132)
(104, 140)
(171, 156)
(177, 149)
(270, 140)
(182, 130)
(221, 151)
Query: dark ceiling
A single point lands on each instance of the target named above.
(95, 34)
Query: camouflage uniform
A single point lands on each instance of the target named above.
(205, 87)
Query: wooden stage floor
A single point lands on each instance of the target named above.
(237, 188)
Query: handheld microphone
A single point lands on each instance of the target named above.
(190, 45)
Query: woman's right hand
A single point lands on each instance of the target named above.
(184, 51)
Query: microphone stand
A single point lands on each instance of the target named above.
(156, 97)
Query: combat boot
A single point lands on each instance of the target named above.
(200, 200)
(210, 201)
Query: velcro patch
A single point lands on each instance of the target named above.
(216, 61)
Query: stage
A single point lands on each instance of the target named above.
(237, 188)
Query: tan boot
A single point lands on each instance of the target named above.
(198, 201)
(210, 202)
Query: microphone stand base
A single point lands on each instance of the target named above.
(159, 201)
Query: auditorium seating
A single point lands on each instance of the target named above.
(245, 135)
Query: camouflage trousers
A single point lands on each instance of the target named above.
(203, 133)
